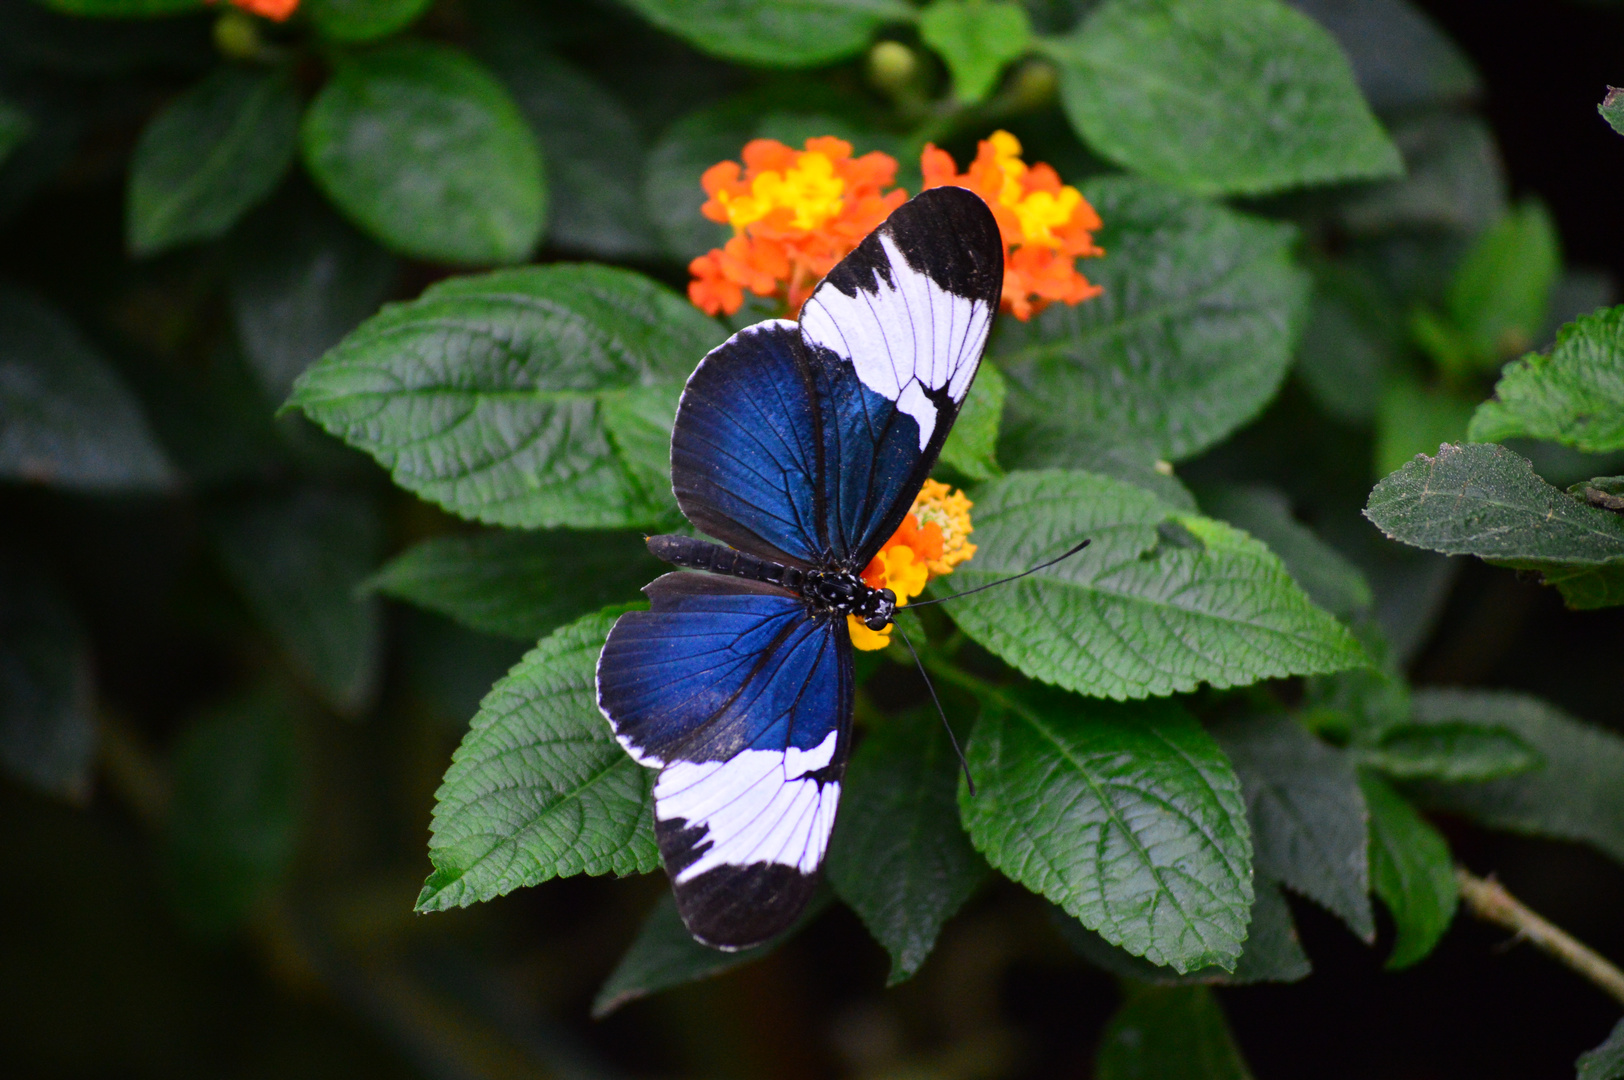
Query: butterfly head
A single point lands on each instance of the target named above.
(878, 609)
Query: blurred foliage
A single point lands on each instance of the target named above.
(254, 253)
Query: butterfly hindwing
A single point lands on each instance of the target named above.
(807, 444)
(742, 699)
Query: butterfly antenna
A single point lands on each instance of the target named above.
(952, 738)
(1007, 580)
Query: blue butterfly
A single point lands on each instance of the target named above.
(801, 446)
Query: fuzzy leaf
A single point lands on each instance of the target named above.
(1127, 816)
(1169, 1033)
(1411, 870)
(1605, 1062)
(1308, 818)
(234, 816)
(1329, 579)
(1450, 753)
(977, 40)
(362, 20)
(423, 148)
(1190, 339)
(775, 33)
(1160, 602)
(1612, 109)
(1573, 395)
(1484, 500)
(215, 152)
(519, 584)
(899, 857)
(298, 560)
(47, 731)
(1219, 97)
(539, 788)
(302, 279)
(971, 447)
(1574, 795)
(488, 394)
(66, 419)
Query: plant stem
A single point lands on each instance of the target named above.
(1489, 901)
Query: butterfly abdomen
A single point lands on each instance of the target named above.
(704, 555)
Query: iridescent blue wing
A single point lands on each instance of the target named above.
(807, 443)
(742, 699)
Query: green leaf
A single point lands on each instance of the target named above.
(362, 20)
(1219, 97)
(899, 857)
(1190, 339)
(1400, 57)
(1160, 602)
(1454, 180)
(1502, 289)
(520, 584)
(1612, 109)
(298, 560)
(1411, 870)
(423, 148)
(1413, 419)
(212, 155)
(15, 128)
(1271, 952)
(977, 40)
(1127, 816)
(1574, 796)
(300, 280)
(490, 394)
(539, 788)
(1484, 500)
(1169, 1033)
(775, 33)
(124, 9)
(234, 816)
(1573, 395)
(47, 730)
(593, 150)
(1451, 753)
(665, 955)
(1329, 579)
(1605, 1062)
(971, 447)
(1307, 816)
(66, 419)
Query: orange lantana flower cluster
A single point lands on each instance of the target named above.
(932, 539)
(795, 213)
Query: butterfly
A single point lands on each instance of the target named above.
(800, 446)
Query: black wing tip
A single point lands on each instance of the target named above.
(732, 908)
(950, 235)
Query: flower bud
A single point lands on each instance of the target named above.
(236, 35)
(892, 66)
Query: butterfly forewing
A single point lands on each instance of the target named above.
(804, 444)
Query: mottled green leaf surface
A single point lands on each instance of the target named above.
(1572, 395)
(520, 584)
(301, 279)
(1160, 601)
(1191, 337)
(424, 149)
(1329, 579)
(976, 39)
(1411, 870)
(234, 815)
(1605, 1062)
(210, 156)
(1451, 753)
(362, 20)
(1169, 1033)
(899, 857)
(539, 788)
(1484, 500)
(783, 33)
(1127, 816)
(491, 395)
(1573, 795)
(298, 560)
(1219, 96)
(66, 418)
(1612, 109)
(1307, 815)
(47, 732)
(972, 445)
